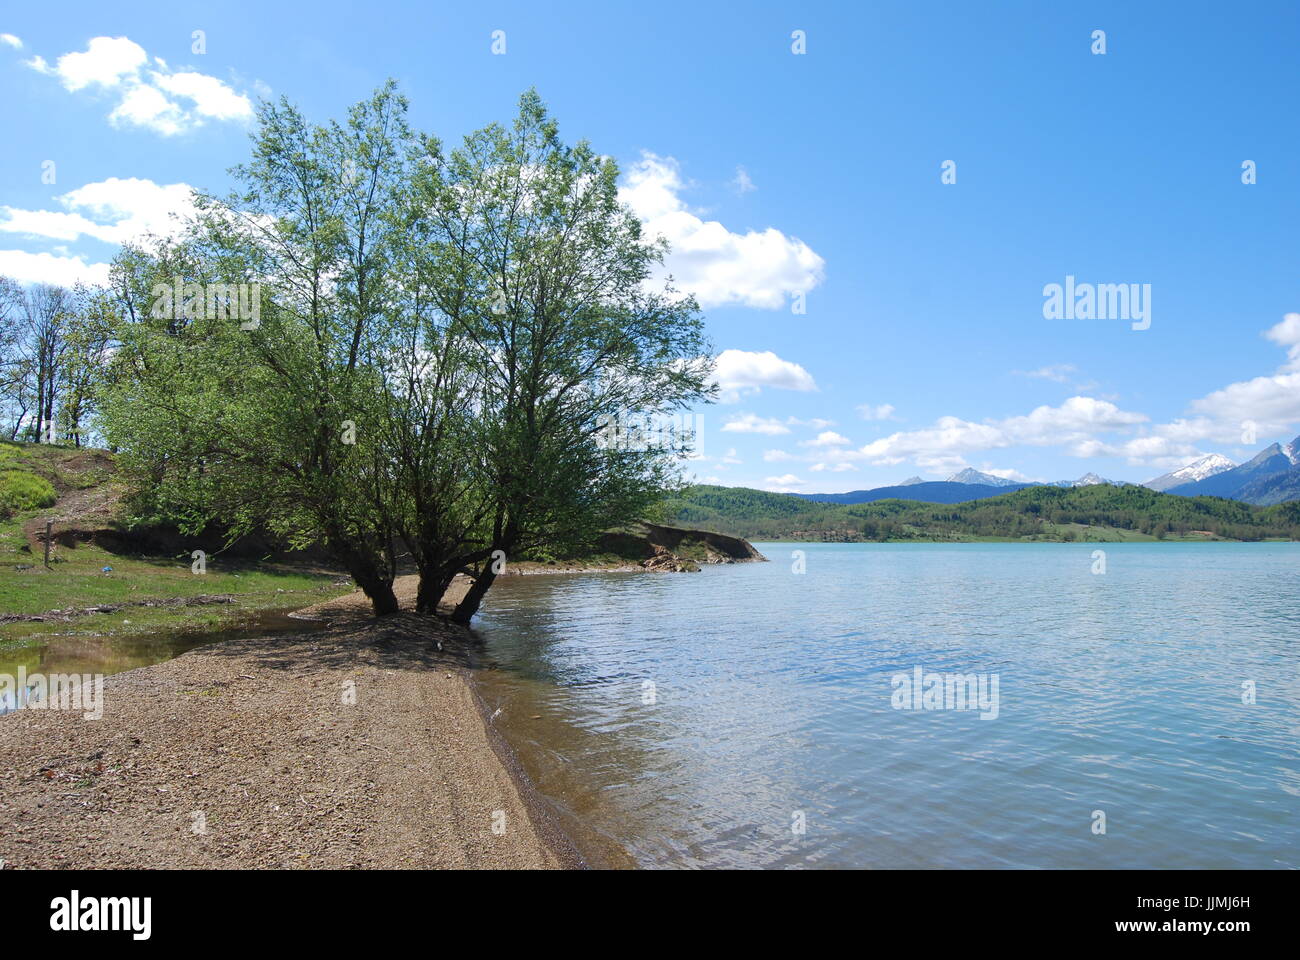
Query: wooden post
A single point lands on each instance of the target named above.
(49, 524)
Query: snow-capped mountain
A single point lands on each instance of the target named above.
(910, 481)
(1271, 476)
(971, 475)
(1199, 470)
(1089, 480)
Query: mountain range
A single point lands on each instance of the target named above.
(969, 484)
(1272, 476)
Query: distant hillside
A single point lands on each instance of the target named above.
(1097, 512)
(933, 491)
(1281, 487)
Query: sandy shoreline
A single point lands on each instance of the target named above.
(359, 745)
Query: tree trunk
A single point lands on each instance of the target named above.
(380, 591)
(432, 586)
(469, 605)
(369, 577)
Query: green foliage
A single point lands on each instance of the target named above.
(440, 336)
(20, 490)
(1050, 513)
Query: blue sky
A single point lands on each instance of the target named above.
(924, 346)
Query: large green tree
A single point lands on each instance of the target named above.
(265, 419)
(530, 256)
(442, 341)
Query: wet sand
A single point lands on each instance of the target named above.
(359, 745)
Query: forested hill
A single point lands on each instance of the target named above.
(1100, 512)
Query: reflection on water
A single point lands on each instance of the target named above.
(91, 655)
(697, 718)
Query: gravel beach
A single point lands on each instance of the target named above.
(362, 745)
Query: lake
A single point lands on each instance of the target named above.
(755, 716)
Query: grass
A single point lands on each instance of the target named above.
(76, 578)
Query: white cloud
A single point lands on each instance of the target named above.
(10, 40)
(884, 411)
(743, 373)
(751, 423)
(106, 62)
(783, 483)
(1287, 334)
(1271, 403)
(754, 269)
(942, 445)
(145, 106)
(62, 271)
(156, 98)
(1006, 473)
(840, 467)
(742, 183)
(1049, 425)
(1147, 450)
(113, 211)
(211, 97)
(776, 456)
(827, 438)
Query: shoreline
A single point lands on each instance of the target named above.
(247, 753)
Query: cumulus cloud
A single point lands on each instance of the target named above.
(1006, 473)
(1149, 450)
(145, 91)
(784, 483)
(741, 373)
(9, 40)
(1271, 404)
(1287, 334)
(63, 271)
(113, 211)
(840, 467)
(752, 423)
(944, 444)
(827, 438)
(754, 269)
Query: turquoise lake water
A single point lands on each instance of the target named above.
(704, 719)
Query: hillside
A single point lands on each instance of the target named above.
(1099, 512)
(105, 580)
